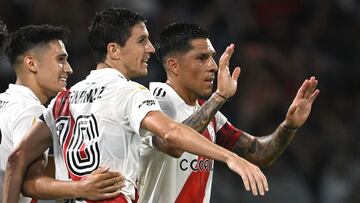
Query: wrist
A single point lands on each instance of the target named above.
(231, 156)
(287, 127)
(77, 191)
(221, 96)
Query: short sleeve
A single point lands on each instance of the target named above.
(24, 121)
(220, 120)
(228, 135)
(139, 103)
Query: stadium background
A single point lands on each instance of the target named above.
(279, 43)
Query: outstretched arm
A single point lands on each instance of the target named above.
(226, 88)
(185, 138)
(265, 150)
(100, 184)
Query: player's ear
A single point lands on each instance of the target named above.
(31, 63)
(172, 65)
(114, 51)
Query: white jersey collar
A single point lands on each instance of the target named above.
(22, 91)
(99, 73)
(169, 90)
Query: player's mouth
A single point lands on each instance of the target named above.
(145, 61)
(210, 80)
(64, 79)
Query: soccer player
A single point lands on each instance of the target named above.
(186, 53)
(39, 58)
(99, 121)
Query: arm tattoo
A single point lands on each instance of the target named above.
(198, 121)
(264, 150)
(201, 118)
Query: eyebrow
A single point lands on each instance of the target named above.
(206, 54)
(62, 55)
(143, 36)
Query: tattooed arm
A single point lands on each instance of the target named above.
(265, 150)
(198, 121)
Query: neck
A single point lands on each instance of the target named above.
(110, 64)
(187, 95)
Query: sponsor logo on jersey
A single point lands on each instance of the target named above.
(147, 102)
(201, 165)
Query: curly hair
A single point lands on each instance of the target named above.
(31, 36)
(111, 25)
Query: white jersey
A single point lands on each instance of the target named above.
(19, 106)
(164, 179)
(97, 123)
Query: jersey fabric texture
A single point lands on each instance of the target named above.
(164, 179)
(97, 123)
(19, 106)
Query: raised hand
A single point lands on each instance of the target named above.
(101, 184)
(251, 175)
(300, 108)
(226, 83)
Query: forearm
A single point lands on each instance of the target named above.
(265, 150)
(201, 118)
(185, 138)
(13, 181)
(198, 121)
(37, 183)
(44, 187)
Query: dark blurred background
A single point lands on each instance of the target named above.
(279, 43)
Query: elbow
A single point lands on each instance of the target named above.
(172, 135)
(176, 153)
(30, 188)
(15, 159)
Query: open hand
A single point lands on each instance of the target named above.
(300, 108)
(251, 175)
(226, 83)
(101, 184)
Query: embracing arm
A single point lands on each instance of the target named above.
(100, 184)
(185, 138)
(32, 146)
(265, 150)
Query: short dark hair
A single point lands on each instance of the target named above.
(31, 36)
(176, 38)
(111, 25)
(3, 34)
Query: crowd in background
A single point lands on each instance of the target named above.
(278, 43)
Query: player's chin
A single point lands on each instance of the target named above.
(206, 92)
(143, 72)
(61, 86)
